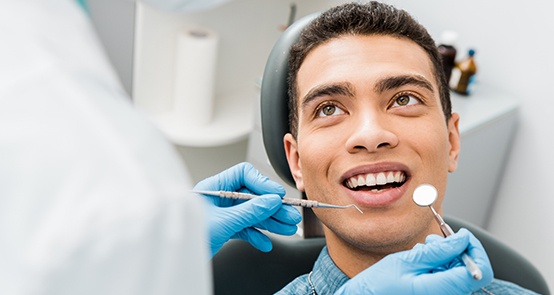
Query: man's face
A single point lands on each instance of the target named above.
(370, 130)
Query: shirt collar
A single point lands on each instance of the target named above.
(326, 276)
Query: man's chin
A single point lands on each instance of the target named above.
(378, 239)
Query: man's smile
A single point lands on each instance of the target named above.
(375, 182)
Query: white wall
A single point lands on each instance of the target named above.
(514, 43)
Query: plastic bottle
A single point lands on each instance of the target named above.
(463, 74)
(447, 50)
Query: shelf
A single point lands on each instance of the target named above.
(233, 121)
(486, 104)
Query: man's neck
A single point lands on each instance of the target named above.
(352, 259)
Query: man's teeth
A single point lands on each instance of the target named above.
(372, 179)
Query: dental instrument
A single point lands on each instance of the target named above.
(425, 195)
(288, 201)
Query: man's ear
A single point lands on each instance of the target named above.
(291, 149)
(454, 140)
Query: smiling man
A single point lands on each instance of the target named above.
(370, 119)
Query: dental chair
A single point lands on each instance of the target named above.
(241, 269)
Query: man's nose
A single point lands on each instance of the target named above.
(371, 133)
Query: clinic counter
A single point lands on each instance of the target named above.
(488, 121)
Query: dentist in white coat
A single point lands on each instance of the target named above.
(93, 199)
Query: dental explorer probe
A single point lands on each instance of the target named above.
(425, 195)
(288, 201)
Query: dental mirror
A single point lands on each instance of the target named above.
(425, 195)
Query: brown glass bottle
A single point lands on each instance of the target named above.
(463, 74)
(447, 51)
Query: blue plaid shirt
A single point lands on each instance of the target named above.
(327, 278)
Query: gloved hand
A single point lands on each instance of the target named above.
(432, 268)
(228, 218)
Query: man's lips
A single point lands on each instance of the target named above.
(377, 186)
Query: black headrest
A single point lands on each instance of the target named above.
(274, 98)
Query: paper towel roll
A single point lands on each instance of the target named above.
(195, 65)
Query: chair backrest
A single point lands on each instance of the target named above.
(240, 269)
(274, 99)
(507, 264)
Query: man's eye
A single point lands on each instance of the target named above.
(405, 100)
(329, 110)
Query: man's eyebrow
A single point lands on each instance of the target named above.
(343, 88)
(399, 81)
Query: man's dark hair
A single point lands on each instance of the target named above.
(371, 18)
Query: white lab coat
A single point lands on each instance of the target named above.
(93, 199)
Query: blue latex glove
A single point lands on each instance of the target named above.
(432, 268)
(228, 218)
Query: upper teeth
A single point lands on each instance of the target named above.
(372, 179)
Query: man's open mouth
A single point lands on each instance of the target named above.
(376, 182)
